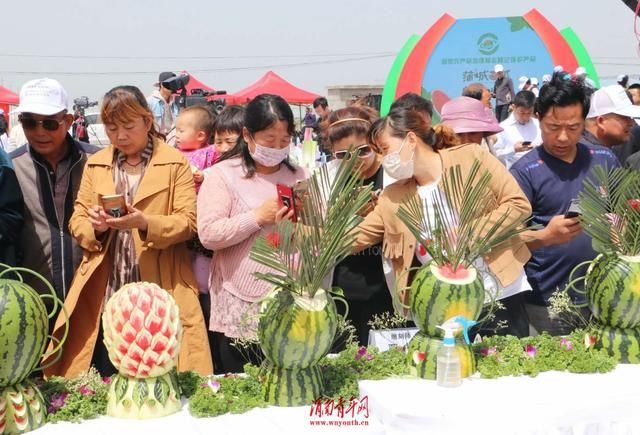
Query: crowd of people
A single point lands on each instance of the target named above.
(194, 209)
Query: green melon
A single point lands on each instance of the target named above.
(22, 408)
(24, 328)
(295, 333)
(613, 290)
(434, 298)
(622, 344)
(422, 357)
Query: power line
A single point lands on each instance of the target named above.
(258, 56)
(247, 68)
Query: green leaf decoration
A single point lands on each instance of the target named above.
(464, 225)
(309, 249)
(161, 390)
(518, 23)
(140, 392)
(610, 202)
(120, 386)
(173, 375)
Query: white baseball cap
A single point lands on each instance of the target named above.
(498, 68)
(612, 99)
(580, 71)
(42, 97)
(534, 80)
(558, 68)
(546, 78)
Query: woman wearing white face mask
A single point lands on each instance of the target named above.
(415, 155)
(237, 203)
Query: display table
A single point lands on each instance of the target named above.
(551, 403)
(260, 421)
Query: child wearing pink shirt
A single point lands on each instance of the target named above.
(193, 131)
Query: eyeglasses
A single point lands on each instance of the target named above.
(47, 124)
(362, 151)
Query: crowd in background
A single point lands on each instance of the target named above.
(194, 208)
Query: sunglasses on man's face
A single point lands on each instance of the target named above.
(47, 124)
(362, 151)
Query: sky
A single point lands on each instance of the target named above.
(91, 46)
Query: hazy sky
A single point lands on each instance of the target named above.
(93, 45)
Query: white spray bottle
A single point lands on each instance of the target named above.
(448, 365)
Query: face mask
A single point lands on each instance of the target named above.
(268, 157)
(395, 167)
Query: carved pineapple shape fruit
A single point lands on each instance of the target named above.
(142, 330)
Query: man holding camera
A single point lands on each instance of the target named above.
(49, 168)
(164, 106)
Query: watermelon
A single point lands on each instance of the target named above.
(622, 344)
(613, 290)
(24, 328)
(295, 332)
(143, 398)
(293, 387)
(438, 294)
(22, 408)
(422, 356)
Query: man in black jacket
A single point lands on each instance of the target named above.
(49, 169)
(11, 210)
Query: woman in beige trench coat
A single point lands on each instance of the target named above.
(161, 217)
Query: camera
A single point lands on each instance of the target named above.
(81, 103)
(198, 97)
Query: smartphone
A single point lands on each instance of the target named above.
(286, 199)
(574, 209)
(114, 205)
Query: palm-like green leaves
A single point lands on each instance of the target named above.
(610, 203)
(460, 229)
(307, 251)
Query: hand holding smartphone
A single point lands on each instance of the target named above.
(286, 199)
(574, 209)
(114, 205)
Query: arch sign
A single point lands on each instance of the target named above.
(454, 53)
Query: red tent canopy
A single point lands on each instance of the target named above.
(8, 97)
(272, 83)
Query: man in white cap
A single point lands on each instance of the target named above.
(610, 118)
(503, 92)
(49, 168)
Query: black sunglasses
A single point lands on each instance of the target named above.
(47, 124)
(362, 151)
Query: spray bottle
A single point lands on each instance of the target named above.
(448, 366)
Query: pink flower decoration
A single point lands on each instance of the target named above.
(531, 351)
(370, 356)
(362, 351)
(566, 344)
(57, 402)
(106, 380)
(213, 384)
(488, 351)
(86, 391)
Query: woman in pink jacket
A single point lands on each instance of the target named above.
(237, 203)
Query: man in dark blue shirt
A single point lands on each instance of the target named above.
(552, 175)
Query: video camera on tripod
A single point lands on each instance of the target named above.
(82, 103)
(198, 97)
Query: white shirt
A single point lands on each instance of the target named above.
(515, 132)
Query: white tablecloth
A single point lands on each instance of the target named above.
(262, 421)
(551, 403)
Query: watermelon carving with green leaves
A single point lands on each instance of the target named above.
(295, 333)
(438, 294)
(23, 331)
(613, 290)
